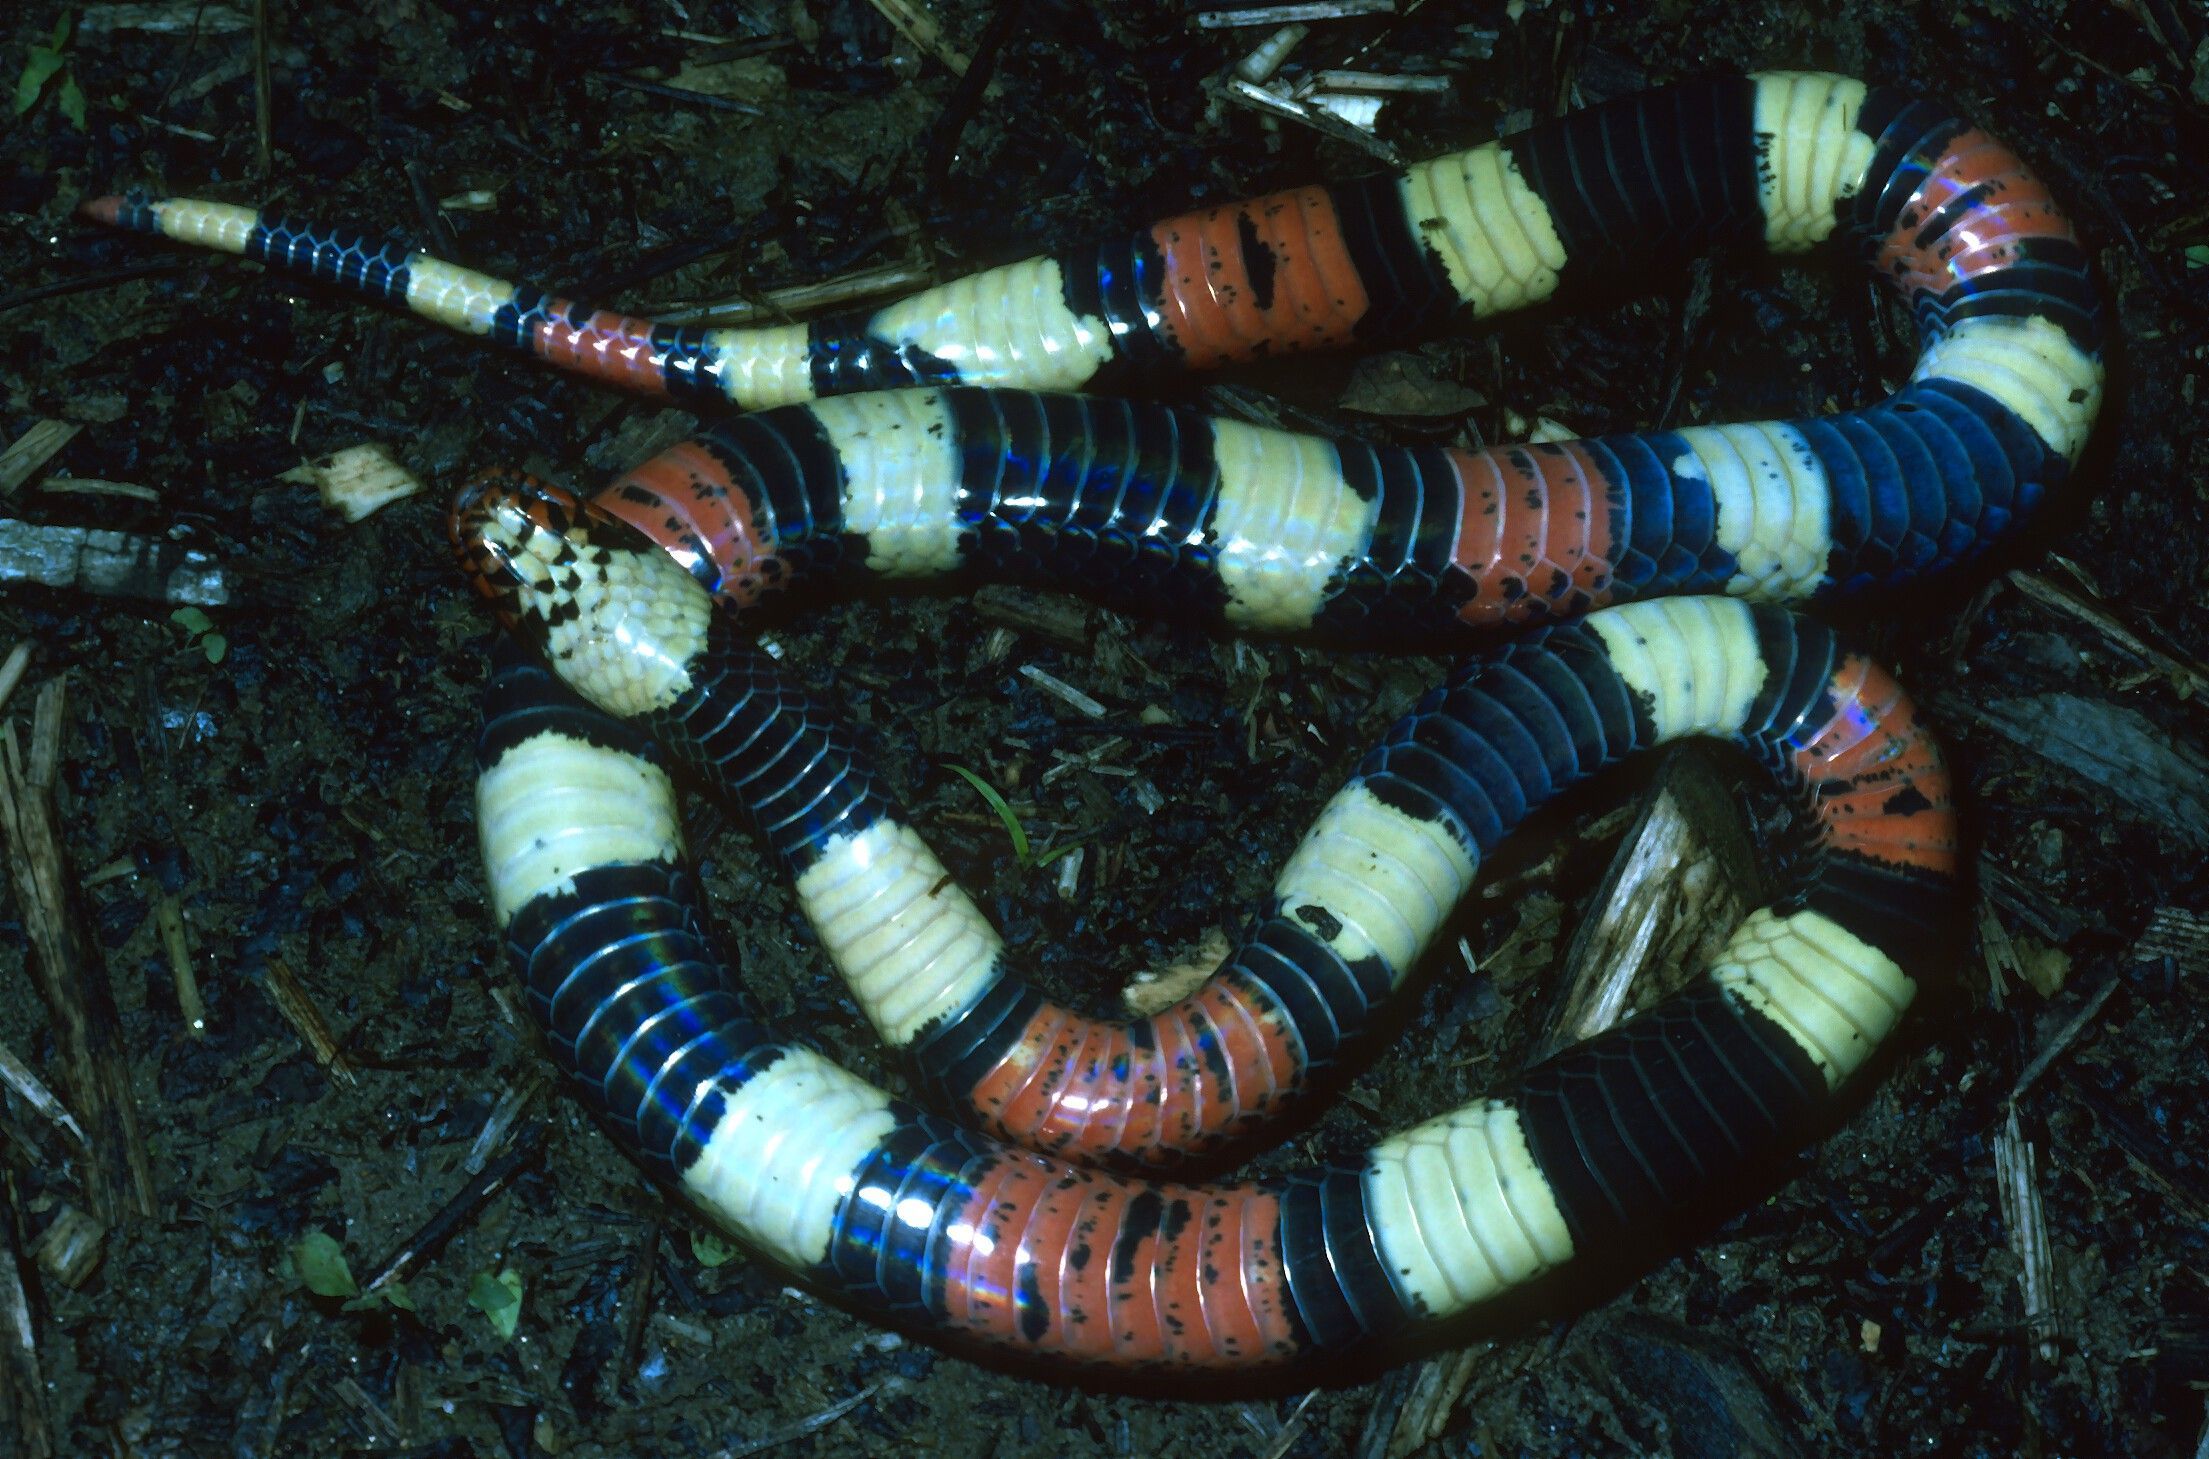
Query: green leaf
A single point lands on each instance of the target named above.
(71, 101)
(62, 26)
(498, 1298)
(38, 68)
(1044, 859)
(1013, 828)
(2197, 255)
(192, 621)
(215, 646)
(711, 1250)
(321, 1265)
(390, 1294)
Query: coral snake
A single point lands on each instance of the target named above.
(1016, 1231)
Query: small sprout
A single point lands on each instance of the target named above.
(45, 61)
(996, 802)
(498, 1298)
(200, 629)
(1029, 858)
(711, 1250)
(320, 1262)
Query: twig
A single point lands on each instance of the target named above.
(800, 299)
(439, 1228)
(1291, 14)
(2063, 1039)
(1062, 691)
(65, 963)
(17, 1076)
(677, 93)
(1319, 119)
(299, 1010)
(517, 1099)
(93, 486)
(440, 236)
(262, 90)
(1292, 1428)
(974, 84)
(791, 1432)
(82, 284)
(168, 917)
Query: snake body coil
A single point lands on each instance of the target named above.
(917, 1216)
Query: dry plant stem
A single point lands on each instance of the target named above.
(2017, 1177)
(23, 1393)
(65, 963)
(1683, 879)
(11, 672)
(802, 299)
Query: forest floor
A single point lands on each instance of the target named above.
(305, 802)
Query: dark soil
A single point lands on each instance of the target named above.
(308, 798)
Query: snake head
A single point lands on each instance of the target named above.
(615, 616)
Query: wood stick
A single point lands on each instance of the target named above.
(65, 963)
(23, 1394)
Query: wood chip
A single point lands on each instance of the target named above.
(2177, 934)
(2116, 748)
(2188, 676)
(1676, 890)
(70, 1247)
(32, 450)
(359, 480)
(1055, 619)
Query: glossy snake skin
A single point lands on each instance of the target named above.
(941, 1225)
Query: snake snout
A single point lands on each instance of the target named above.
(506, 526)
